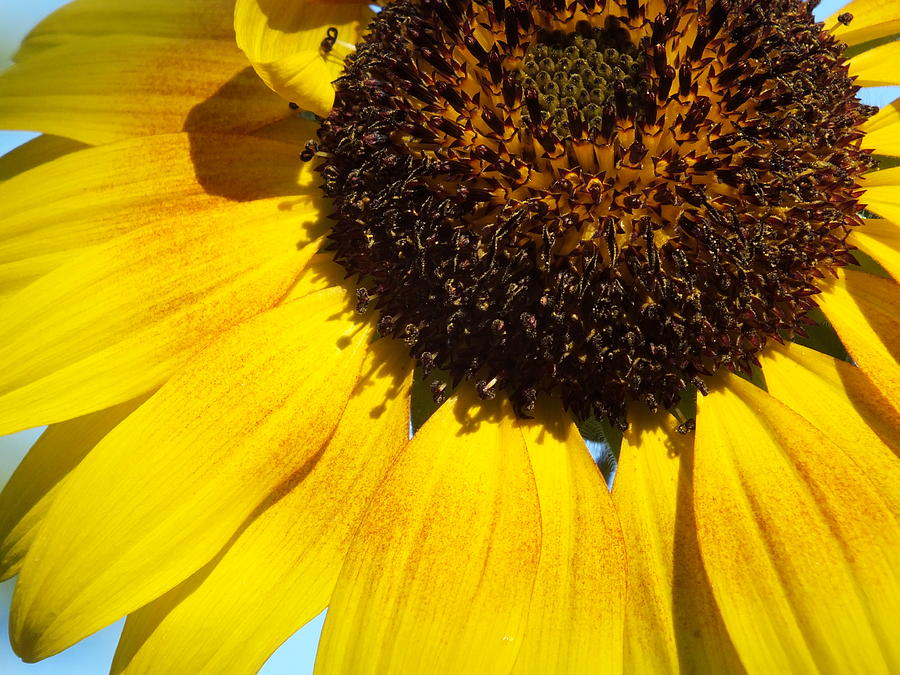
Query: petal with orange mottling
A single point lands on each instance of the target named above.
(215, 622)
(162, 493)
(86, 20)
(123, 317)
(100, 193)
(577, 611)
(801, 551)
(672, 623)
(826, 392)
(439, 575)
(108, 88)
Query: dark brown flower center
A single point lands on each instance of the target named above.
(602, 200)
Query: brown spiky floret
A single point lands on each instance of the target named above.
(604, 199)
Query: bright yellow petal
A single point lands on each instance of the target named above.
(108, 88)
(672, 623)
(880, 239)
(889, 178)
(120, 319)
(36, 152)
(826, 392)
(283, 40)
(577, 609)
(878, 67)
(31, 489)
(7, 291)
(883, 131)
(321, 272)
(872, 19)
(801, 552)
(166, 489)
(821, 371)
(291, 554)
(887, 116)
(439, 576)
(863, 309)
(882, 193)
(85, 20)
(100, 193)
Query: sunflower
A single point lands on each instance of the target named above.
(255, 240)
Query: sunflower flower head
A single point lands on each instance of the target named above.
(320, 305)
(593, 200)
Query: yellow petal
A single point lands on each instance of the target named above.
(838, 400)
(800, 550)
(877, 67)
(321, 272)
(31, 489)
(880, 239)
(291, 554)
(889, 178)
(85, 20)
(863, 310)
(577, 606)
(882, 192)
(294, 130)
(283, 40)
(120, 319)
(36, 152)
(841, 379)
(100, 193)
(887, 116)
(872, 19)
(439, 575)
(108, 88)
(883, 131)
(672, 623)
(6, 292)
(161, 494)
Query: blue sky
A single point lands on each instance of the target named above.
(94, 654)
